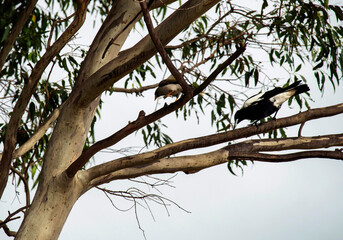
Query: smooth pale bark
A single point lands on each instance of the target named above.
(105, 170)
(247, 150)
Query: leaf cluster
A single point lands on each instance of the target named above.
(286, 35)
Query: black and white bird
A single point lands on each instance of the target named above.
(265, 104)
(167, 88)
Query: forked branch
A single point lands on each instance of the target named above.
(210, 140)
(194, 163)
(145, 120)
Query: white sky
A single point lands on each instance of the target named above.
(297, 200)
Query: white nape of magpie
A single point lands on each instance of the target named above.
(263, 105)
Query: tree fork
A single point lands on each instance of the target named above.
(145, 120)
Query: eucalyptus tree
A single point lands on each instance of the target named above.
(47, 123)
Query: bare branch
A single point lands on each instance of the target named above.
(194, 163)
(261, 145)
(7, 230)
(173, 148)
(279, 158)
(141, 198)
(10, 218)
(133, 90)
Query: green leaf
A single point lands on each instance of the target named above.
(338, 12)
(319, 65)
(298, 68)
(230, 168)
(256, 76)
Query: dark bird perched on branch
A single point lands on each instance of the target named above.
(168, 87)
(263, 105)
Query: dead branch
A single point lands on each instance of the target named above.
(139, 197)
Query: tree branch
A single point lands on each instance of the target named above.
(9, 218)
(128, 60)
(37, 135)
(280, 158)
(25, 96)
(25, 182)
(7, 230)
(262, 145)
(160, 48)
(210, 140)
(133, 90)
(24, 16)
(145, 120)
(195, 163)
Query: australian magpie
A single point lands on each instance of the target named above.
(168, 87)
(263, 105)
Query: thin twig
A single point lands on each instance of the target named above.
(301, 128)
(3, 224)
(53, 26)
(26, 184)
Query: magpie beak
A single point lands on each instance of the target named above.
(265, 104)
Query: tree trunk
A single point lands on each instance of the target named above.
(50, 208)
(56, 193)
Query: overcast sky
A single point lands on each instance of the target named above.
(297, 200)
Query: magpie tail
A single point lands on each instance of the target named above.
(301, 89)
